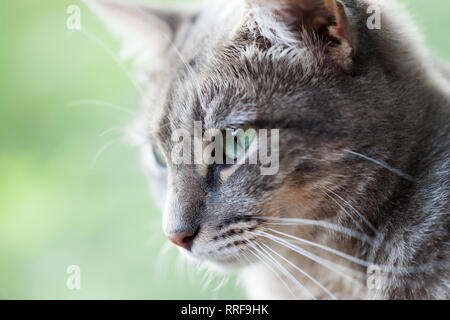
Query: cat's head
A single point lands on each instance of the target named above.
(311, 69)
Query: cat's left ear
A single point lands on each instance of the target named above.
(145, 26)
(289, 21)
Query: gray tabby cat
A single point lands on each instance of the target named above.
(360, 206)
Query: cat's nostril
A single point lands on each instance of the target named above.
(183, 239)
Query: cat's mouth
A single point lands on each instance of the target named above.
(230, 245)
(226, 260)
(230, 259)
(229, 253)
(227, 243)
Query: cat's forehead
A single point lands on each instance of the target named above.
(231, 87)
(225, 77)
(218, 102)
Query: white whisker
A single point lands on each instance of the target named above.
(268, 266)
(100, 152)
(108, 131)
(207, 279)
(301, 271)
(286, 272)
(275, 263)
(221, 284)
(319, 223)
(324, 262)
(345, 211)
(354, 210)
(328, 249)
(383, 165)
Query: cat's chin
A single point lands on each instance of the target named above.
(225, 264)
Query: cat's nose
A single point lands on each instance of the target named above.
(182, 239)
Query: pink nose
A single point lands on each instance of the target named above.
(182, 239)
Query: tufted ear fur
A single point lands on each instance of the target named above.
(146, 28)
(290, 21)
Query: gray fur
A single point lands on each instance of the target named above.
(391, 105)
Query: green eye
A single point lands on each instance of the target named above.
(237, 142)
(159, 157)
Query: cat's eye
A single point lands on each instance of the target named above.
(237, 142)
(159, 157)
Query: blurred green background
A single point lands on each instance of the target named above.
(58, 209)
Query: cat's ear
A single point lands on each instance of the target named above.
(146, 26)
(289, 21)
